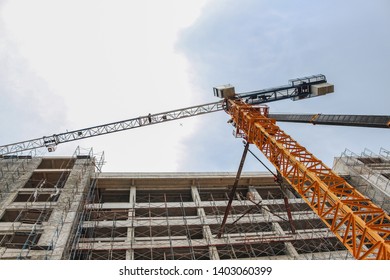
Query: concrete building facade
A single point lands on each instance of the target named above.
(369, 173)
(39, 204)
(177, 216)
(64, 208)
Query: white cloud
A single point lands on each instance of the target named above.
(102, 61)
(107, 61)
(260, 44)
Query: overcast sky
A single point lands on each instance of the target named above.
(66, 65)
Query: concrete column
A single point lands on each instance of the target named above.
(291, 251)
(16, 173)
(9, 195)
(213, 252)
(130, 229)
(57, 231)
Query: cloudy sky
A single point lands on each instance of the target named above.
(66, 65)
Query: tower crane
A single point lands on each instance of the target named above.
(360, 225)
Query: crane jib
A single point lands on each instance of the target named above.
(297, 89)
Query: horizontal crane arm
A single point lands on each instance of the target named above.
(295, 90)
(55, 139)
(52, 141)
(378, 121)
(298, 88)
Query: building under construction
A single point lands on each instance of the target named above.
(66, 208)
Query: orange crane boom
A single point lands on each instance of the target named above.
(362, 226)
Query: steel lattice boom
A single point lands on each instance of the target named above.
(360, 225)
(52, 141)
(297, 89)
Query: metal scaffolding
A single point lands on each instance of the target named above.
(65, 208)
(182, 223)
(369, 173)
(37, 206)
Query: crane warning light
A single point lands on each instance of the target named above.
(225, 91)
(51, 148)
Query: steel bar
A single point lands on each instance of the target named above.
(233, 191)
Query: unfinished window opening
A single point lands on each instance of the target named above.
(370, 160)
(242, 228)
(79, 255)
(163, 212)
(20, 240)
(107, 255)
(186, 253)
(222, 194)
(269, 249)
(318, 245)
(303, 224)
(98, 255)
(27, 216)
(108, 215)
(108, 195)
(235, 210)
(294, 207)
(104, 233)
(152, 196)
(191, 231)
(56, 163)
(249, 251)
(47, 179)
(270, 192)
(36, 197)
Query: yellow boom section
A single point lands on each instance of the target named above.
(362, 226)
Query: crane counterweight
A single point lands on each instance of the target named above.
(225, 91)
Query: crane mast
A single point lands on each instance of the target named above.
(359, 224)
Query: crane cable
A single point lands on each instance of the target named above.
(279, 180)
(263, 164)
